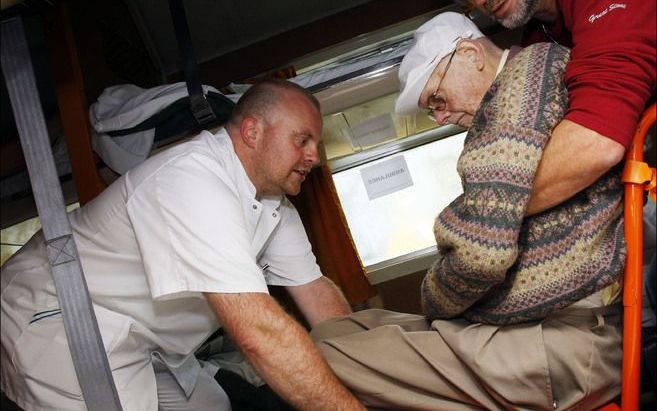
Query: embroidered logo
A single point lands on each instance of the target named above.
(612, 6)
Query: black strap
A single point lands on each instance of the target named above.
(176, 118)
(84, 339)
(198, 104)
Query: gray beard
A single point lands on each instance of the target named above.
(525, 11)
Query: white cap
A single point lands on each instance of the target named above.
(431, 42)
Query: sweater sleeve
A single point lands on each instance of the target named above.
(477, 234)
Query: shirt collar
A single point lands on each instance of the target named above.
(503, 59)
(246, 186)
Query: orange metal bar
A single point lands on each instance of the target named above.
(633, 270)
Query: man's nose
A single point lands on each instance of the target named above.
(312, 154)
(441, 116)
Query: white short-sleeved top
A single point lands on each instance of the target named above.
(184, 222)
(200, 228)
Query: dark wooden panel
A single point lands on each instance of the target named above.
(73, 106)
(281, 49)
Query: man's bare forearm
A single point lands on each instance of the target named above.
(282, 352)
(574, 158)
(320, 300)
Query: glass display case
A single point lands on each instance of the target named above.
(368, 125)
(390, 204)
(393, 174)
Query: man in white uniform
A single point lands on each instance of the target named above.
(177, 247)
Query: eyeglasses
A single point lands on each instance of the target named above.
(435, 102)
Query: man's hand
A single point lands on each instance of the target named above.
(319, 300)
(281, 351)
(573, 159)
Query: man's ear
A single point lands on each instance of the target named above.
(249, 130)
(473, 52)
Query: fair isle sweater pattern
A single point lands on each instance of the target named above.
(495, 266)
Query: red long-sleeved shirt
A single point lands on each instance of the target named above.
(611, 75)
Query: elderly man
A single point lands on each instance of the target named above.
(611, 76)
(177, 247)
(518, 314)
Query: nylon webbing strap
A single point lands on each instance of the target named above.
(89, 359)
(198, 103)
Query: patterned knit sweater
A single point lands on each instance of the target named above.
(495, 266)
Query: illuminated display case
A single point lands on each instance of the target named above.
(368, 125)
(393, 174)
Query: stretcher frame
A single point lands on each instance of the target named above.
(637, 177)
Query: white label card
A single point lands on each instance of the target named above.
(374, 131)
(386, 177)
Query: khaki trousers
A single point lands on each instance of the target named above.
(398, 361)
